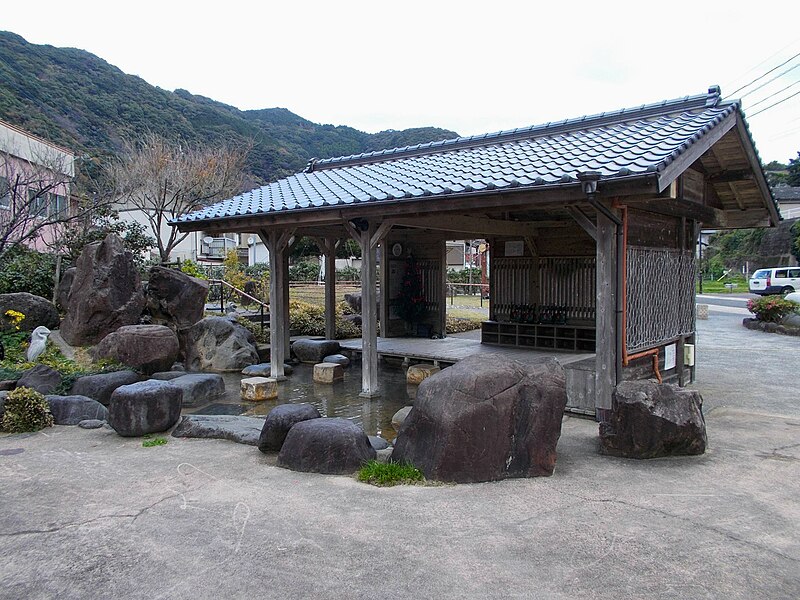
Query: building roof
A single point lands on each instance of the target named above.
(786, 193)
(621, 145)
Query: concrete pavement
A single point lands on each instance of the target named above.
(89, 514)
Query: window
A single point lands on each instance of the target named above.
(5, 193)
(781, 273)
(37, 202)
(57, 205)
(761, 274)
(794, 272)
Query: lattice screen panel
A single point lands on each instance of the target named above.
(432, 286)
(569, 283)
(660, 296)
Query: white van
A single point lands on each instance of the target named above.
(776, 280)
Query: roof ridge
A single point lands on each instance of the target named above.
(712, 98)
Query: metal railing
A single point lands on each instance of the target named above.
(234, 292)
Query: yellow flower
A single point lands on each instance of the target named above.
(15, 317)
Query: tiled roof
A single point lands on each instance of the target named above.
(785, 193)
(626, 143)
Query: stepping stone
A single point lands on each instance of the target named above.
(242, 430)
(91, 424)
(337, 359)
(417, 373)
(328, 372)
(333, 446)
(101, 386)
(313, 351)
(199, 388)
(146, 407)
(280, 420)
(257, 389)
(264, 370)
(71, 410)
(167, 375)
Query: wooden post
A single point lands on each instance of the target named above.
(605, 320)
(277, 243)
(328, 248)
(442, 322)
(368, 240)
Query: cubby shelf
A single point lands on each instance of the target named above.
(566, 338)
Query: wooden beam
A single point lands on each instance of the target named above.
(383, 229)
(584, 221)
(736, 195)
(481, 226)
(729, 176)
(677, 207)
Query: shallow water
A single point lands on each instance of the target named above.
(340, 399)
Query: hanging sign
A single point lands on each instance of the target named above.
(515, 248)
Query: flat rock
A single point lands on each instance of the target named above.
(100, 387)
(328, 372)
(167, 375)
(145, 407)
(280, 420)
(41, 378)
(313, 351)
(258, 389)
(71, 410)
(38, 311)
(485, 418)
(378, 442)
(332, 446)
(242, 430)
(652, 420)
(264, 370)
(199, 388)
(91, 424)
(146, 348)
(337, 359)
(416, 374)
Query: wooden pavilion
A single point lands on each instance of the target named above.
(592, 224)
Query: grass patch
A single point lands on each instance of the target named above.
(718, 287)
(389, 474)
(159, 441)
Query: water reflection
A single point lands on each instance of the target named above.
(340, 399)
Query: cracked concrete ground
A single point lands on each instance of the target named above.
(90, 514)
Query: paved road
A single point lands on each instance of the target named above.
(88, 514)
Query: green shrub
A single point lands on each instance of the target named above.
(389, 474)
(159, 441)
(458, 325)
(23, 270)
(26, 410)
(348, 274)
(193, 269)
(309, 319)
(304, 271)
(772, 309)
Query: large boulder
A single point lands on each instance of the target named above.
(100, 387)
(41, 378)
(37, 310)
(333, 446)
(71, 410)
(146, 407)
(219, 344)
(199, 388)
(174, 298)
(651, 420)
(105, 295)
(485, 418)
(242, 430)
(64, 286)
(146, 348)
(280, 420)
(313, 351)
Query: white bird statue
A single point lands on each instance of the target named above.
(38, 342)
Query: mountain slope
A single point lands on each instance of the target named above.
(80, 101)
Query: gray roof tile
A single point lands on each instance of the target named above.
(624, 143)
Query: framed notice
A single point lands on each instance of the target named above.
(515, 248)
(669, 357)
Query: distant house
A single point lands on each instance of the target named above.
(788, 199)
(35, 177)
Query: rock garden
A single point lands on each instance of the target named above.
(145, 360)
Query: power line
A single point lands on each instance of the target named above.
(791, 85)
(766, 83)
(776, 104)
(764, 75)
(766, 60)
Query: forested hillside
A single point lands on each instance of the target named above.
(78, 100)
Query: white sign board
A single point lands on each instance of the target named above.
(669, 357)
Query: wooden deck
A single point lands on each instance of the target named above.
(452, 349)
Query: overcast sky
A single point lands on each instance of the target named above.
(472, 67)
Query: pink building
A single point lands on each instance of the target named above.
(35, 177)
